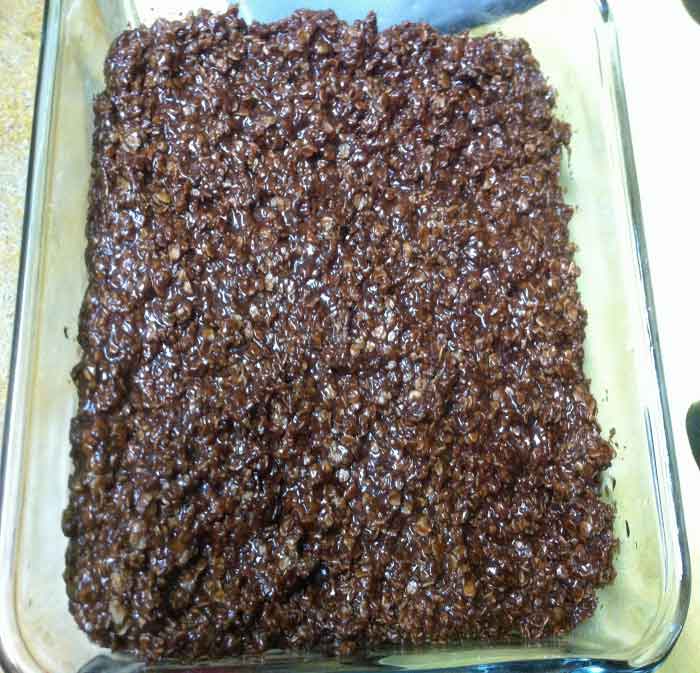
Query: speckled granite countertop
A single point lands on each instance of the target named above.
(20, 34)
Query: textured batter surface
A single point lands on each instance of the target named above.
(331, 390)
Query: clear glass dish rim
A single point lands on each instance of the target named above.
(11, 492)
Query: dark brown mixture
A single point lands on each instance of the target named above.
(331, 391)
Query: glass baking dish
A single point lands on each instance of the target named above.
(639, 617)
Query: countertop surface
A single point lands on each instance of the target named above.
(20, 35)
(660, 48)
